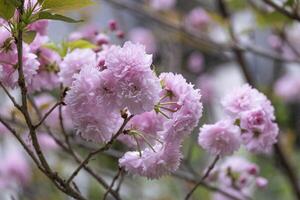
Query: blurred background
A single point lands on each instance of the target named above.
(199, 39)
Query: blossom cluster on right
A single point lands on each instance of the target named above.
(249, 121)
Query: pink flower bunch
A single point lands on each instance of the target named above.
(47, 73)
(238, 177)
(177, 114)
(250, 120)
(97, 95)
(221, 138)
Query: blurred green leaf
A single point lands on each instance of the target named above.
(7, 9)
(237, 4)
(80, 44)
(29, 36)
(51, 16)
(273, 19)
(65, 5)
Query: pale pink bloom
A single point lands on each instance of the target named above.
(288, 87)
(74, 62)
(91, 119)
(153, 163)
(148, 124)
(15, 169)
(46, 77)
(261, 182)
(181, 97)
(197, 19)
(40, 26)
(245, 98)
(9, 74)
(162, 4)
(261, 142)
(138, 87)
(164, 156)
(242, 184)
(102, 39)
(195, 62)
(145, 37)
(222, 138)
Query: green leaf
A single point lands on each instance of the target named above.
(29, 36)
(7, 9)
(64, 5)
(51, 16)
(80, 44)
(274, 19)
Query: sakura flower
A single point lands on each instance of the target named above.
(195, 62)
(245, 98)
(145, 37)
(153, 163)
(197, 19)
(15, 169)
(89, 117)
(74, 62)
(287, 87)
(138, 87)
(222, 138)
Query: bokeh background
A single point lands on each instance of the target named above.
(193, 38)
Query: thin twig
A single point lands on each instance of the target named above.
(47, 114)
(113, 183)
(104, 148)
(292, 15)
(206, 174)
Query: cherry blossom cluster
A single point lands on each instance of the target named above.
(165, 108)
(238, 177)
(250, 121)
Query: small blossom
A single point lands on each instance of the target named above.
(74, 62)
(145, 37)
(222, 138)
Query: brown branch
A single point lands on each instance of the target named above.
(288, 169)
(113, 183)
(278, 8)
(206, 174)
(193, 39)
(68, 149)
(104, 148)
(10, 96)
(193, 180)
(47, 114)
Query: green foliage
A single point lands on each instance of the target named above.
(29, 36)
(80, 44)
(65, 5)
(63, 49)
(237, 4)
(274, 19)
(7, 9)
(52, 16)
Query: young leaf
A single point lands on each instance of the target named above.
(52, 16)
(29, 36)
(80, 44)
(7, 9)
(64, 5)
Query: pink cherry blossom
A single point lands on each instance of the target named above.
(222, 138)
